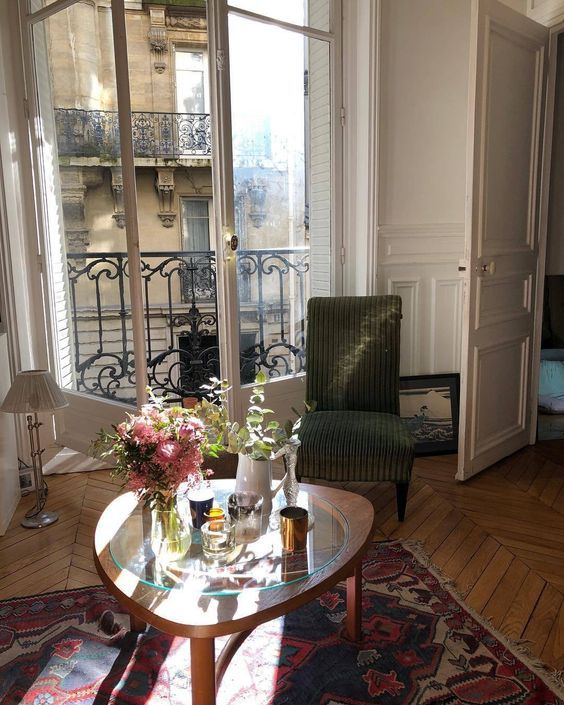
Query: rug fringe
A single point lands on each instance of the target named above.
(551, 677)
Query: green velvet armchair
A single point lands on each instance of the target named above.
(355, 433)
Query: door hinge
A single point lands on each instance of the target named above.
(220, 59)
(343, 115)
(40, 263)
(342, 255)
(26, 108)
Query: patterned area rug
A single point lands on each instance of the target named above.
(420, 646)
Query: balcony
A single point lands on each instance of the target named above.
(95, 133)
(181, 315)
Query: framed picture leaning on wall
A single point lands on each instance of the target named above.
(429, 408)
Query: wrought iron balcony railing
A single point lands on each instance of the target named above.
(95, 133)
(181, 319)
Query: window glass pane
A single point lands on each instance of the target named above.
(308, 13)
(195, 225)
(190, 82)
(282, 189)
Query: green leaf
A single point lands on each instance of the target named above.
(244, 433)
(254, 418)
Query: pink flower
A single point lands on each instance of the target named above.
(142, 431)
(121, 430)
(191, 428)
(167, 451)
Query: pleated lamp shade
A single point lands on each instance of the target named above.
(33, 390)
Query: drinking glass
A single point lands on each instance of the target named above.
(245, 509)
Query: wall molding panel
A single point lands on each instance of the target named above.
(446, 324)
(419, 261)
(409, 290)
(428, 243)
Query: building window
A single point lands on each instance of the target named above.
(195, 218)
(191, 80)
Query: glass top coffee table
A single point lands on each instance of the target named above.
(202, 599)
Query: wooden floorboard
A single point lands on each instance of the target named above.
(499, 537)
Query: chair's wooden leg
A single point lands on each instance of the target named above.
(402, 489)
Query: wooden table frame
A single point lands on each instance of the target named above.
(164, 610)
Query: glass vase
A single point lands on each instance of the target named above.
(170, 533)
(290, 486)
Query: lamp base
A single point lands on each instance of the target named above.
(40, 520)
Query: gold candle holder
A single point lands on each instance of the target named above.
(293, 528)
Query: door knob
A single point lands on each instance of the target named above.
(488, 268)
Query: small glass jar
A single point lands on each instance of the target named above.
(214, 513)
(218, 538)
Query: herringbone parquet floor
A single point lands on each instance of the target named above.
(499, 537)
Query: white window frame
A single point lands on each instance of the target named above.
(180, 48)
(211, 220)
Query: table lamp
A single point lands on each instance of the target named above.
(35, 391)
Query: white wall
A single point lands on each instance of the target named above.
(422, 156)
(519, 5)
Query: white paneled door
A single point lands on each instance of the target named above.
(507, 69)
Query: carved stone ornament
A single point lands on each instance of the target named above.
(158, 38)
(117, 193)
(197, 23)
(167, 219)
(164, 184)
(120, 220)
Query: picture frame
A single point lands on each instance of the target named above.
(429, 406)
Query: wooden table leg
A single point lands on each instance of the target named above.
(136, 624)
(353, 624)
(202, 670)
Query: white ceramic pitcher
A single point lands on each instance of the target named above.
(256, 476)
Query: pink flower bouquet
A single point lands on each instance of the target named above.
(158, 449)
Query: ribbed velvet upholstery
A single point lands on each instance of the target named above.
(355, 446)
(355, 434)
(353, 353)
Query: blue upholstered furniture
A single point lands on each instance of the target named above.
(355, 433)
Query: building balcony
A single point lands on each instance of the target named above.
(181, 319)
(95, 134)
